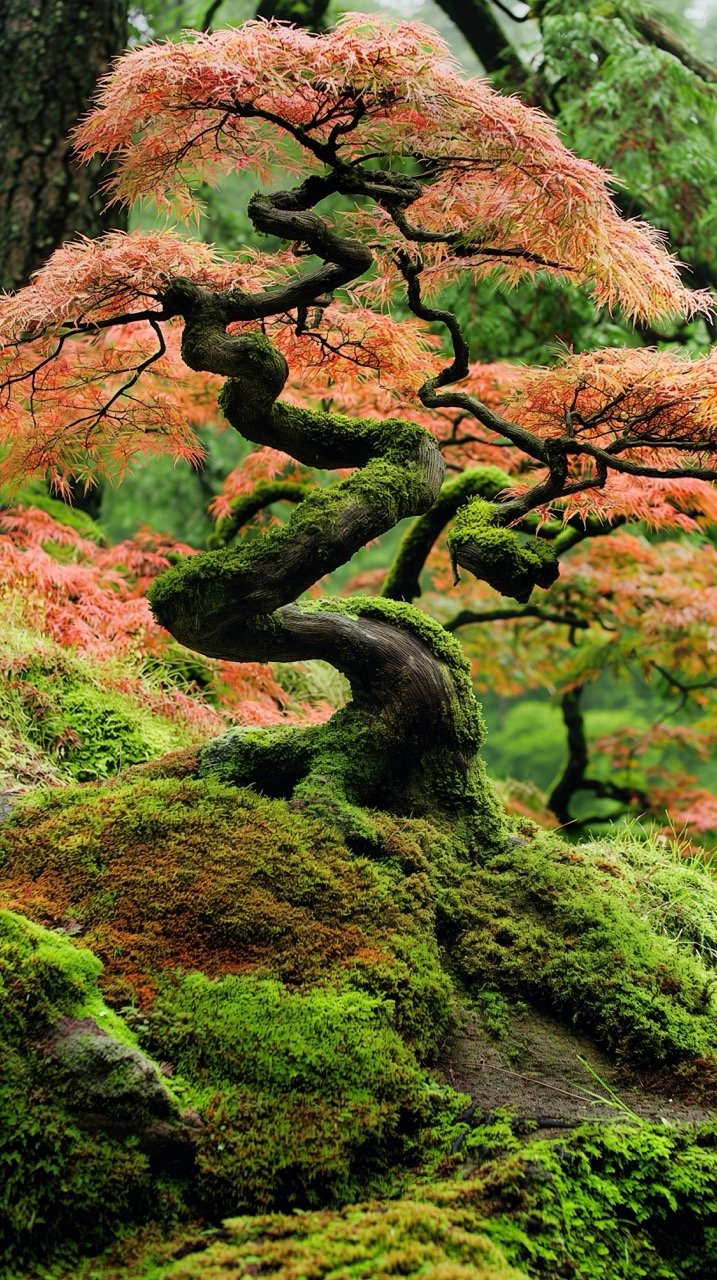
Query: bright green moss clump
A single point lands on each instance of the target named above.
(308, 1098)
(365, 1242)
(63, 718)
(64, 1186)
(624, 1203)
(513, 565)
(611, 937)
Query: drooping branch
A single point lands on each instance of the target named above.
(473, 617)
(246, 508)
(402, 581)
(481, 540)
(685, 688)
(655, 32)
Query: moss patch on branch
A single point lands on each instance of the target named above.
(509, 563)
(402, 579)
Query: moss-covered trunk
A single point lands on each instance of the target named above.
(408, 740)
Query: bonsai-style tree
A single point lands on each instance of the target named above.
(427, 178)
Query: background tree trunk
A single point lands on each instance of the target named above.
(52, 54)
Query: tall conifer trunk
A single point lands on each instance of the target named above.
(52, 54)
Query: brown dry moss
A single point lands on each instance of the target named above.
(156, 875)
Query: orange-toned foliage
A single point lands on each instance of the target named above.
(629, 608)
(504, 180)
(509, 197)
(92, 373)
(91, 599)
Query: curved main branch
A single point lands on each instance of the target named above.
(401, 470)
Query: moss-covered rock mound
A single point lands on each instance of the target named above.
(90, 1136)
(307, 1098)
(618, 938)
(159, 875)
(293, 981)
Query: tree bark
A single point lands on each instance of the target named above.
(479, 26)
(52, 53)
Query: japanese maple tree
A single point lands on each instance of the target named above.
(112, 350)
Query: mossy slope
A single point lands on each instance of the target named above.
(616, 938)
(294, 987)
(158, 875)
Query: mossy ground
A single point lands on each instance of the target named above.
(295, 987)
(622, 1203)
(64, 718)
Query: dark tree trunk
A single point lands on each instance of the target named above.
(52, 53)
(479, 26)
(303, 13)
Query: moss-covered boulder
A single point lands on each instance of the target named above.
(616, 937)
(293, 980)
(91, 1138)
(308, 1098)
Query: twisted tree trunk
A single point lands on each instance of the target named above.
(408, 741)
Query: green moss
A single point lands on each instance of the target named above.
(389, 485)
(63, 1188)
(308, 1098)
(589, 933)
(43, 977)
(402, 579)
(178, 873)
(368, 1242)
(63, 717)
(628, 1203)
(351, 762)
(508, 562)
(249, 505)
(300, 1044)
(93, 731)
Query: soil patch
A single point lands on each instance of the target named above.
(543, 1072)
